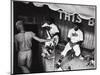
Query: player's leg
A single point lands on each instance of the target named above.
(29, 59)
(21, 61)
(63, 54)
(21, 58)
(76, 48)
(78, 51)
(66, 49)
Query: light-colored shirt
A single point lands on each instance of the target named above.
(53, 28)
(75, 36)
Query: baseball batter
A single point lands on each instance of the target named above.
(52, 33)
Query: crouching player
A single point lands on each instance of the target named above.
(75, 37)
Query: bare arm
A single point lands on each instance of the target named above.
(39, 39)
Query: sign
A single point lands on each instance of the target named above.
(75, 18)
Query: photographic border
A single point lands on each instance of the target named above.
(12, 33)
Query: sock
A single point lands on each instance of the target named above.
(59, 62)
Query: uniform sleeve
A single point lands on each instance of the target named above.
(81, 35)
(44, 25)
(54, 28)
(56, 39)
(69, 33)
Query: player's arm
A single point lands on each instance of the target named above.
(69, 35)
(80, 37)
(56, 39)
(39, 39)
(46, 26)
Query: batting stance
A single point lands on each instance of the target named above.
(75, 37)
(23, 42)
(48, 49)
(52, 32)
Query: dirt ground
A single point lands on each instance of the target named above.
(67, 65)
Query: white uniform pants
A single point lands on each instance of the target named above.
(68, 47)
(24, 58)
